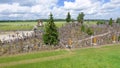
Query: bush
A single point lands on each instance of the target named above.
(83, 28)
(118, 38)
(100, 22)
(90, 31)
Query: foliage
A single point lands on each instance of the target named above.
(100, 22)
(118, 20)
(68, 18)
(80, 17)
(0, 42)
(89, 31)
(110, 22)
(50, 35)
(83, 28)
(118, 38)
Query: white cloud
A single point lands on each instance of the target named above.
(78, 4)
(15, 7)
(14, 15)
(34, 9)
(89, 7)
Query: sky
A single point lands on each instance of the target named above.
(40, 9)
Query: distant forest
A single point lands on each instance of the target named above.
(45, 20)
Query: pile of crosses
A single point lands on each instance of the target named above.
(27, 43)
(71, 35)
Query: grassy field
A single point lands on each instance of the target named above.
(13, 26)
(96, 57)
(9, 26)
(90, 22)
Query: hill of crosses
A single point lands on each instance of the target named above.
(70, 36)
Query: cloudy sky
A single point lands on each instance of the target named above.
(40, 9)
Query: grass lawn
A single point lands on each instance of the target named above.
(101, 57)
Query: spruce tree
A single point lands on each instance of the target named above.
(68, 18)
(50, 36)
(110, 22)
(80, 17)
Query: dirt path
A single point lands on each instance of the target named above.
(2, 65)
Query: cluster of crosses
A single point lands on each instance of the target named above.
(70, 36)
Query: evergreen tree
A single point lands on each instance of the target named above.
(50, 35)
(80, 17)
(68, 18)
(110, 22)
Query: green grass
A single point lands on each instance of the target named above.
(10, 26)
(13, 26)
(90, 22)
(31, 56)
(103, 57)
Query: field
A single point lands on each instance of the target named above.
(13, 26)
(90, 22)
(94, 57)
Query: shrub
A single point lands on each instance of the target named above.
(118, 38)
(90, 31)
(83, 28)
(100, 22)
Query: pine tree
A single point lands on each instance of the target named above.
(68, 18)
(80, 17)
(50, 36)
(110, 22)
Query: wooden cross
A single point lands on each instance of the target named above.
(70, 42)
(113, 38)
